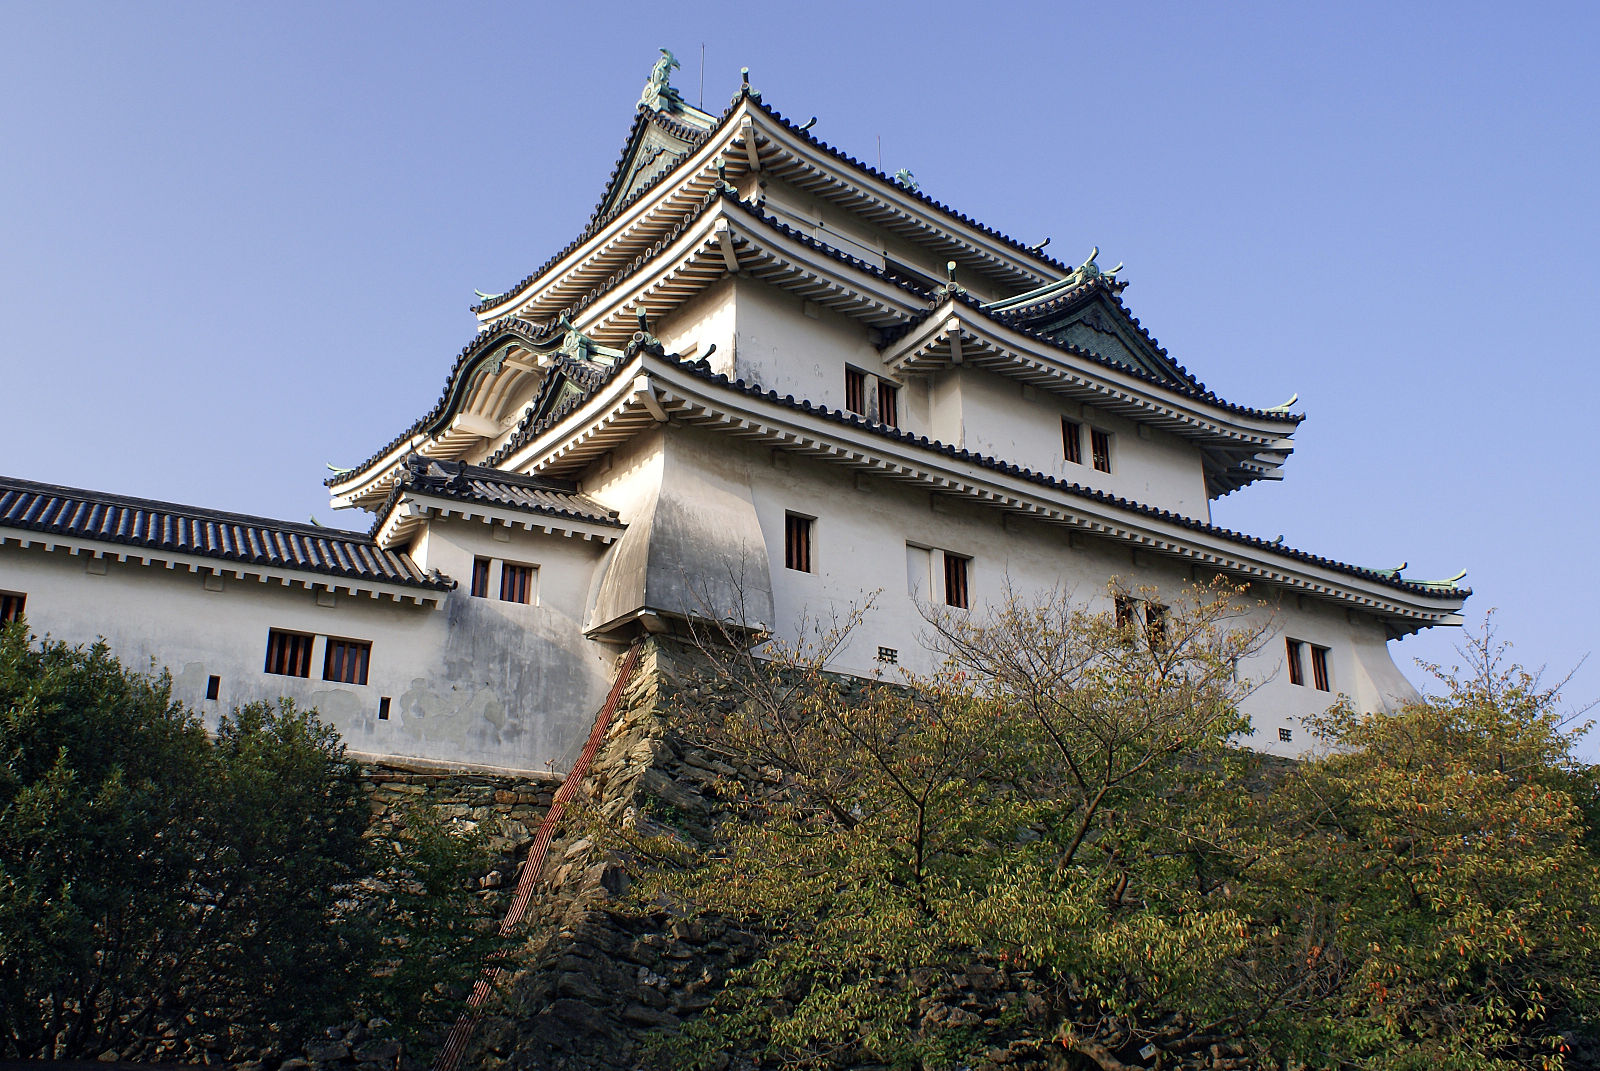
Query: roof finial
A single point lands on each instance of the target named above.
(658, 93)
(722, 173)
(906, 179)
(950, 275)
(643, 312)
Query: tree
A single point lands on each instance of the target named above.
(1053, 848)
(162, 888)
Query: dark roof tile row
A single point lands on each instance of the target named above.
(206, 533)
(512, 490)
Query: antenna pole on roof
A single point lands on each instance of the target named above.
(701, 103)
(880, 152)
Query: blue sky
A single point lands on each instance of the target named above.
(240, 243)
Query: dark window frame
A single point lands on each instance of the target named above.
(1285, 736)
(1100, 449)
(1319, 668)
(480, 578)
(957, 580)
(289, 652)
(518, 583)
(855, 391)
(1072, 441)
(1297, 672)
(1155, 624)
(13, 604)
(799, 540)
(346, 661)
(888, 403)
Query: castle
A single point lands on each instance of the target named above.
(765, 381)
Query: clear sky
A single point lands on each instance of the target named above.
(239, 243)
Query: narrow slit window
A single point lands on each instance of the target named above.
(797, 542)
(213, 686)
(346, 661)
(480, 578)
(516, 582)
(855, 391)
(1072, 441)
(955, 580)
(1100, 448)
(11, 603)
(1297, 673)
(383, 709)
(888, 404)
(289, 653)
(1319, 668)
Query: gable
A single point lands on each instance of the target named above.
(1102, 326)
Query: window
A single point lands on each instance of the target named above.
(480, 578)
(289, 653)
(888, 403)
(955, 580)
(889, 656)
(516, 582)
(1100, 448)
(1072, 441)
(1155, 624)
(1126, 610)
(383, 709)
(213, 686)
(797, 542)
(855, 391)
(345, 661)
(1285, 735)
(1319, 667)
(11, 603)
(1297, 673)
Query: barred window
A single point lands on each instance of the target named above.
(1285, 735)
(1072, 441)
(855, 391)
(480, 578)
(516, 582)
(1155, 624)
(797, 542)
(1126, 610)
(955, 580)
(1100, 448)
(346, 661)
(289, 653)
(1297, 673)
(11, 603)
(1319, 668)
(888, 403)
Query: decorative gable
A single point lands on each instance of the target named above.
(1103, 326)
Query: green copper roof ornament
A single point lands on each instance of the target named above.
(744, 87)
(905, 179)
(658, 95)
(336, 470)
(574, 343)
(482, 297)
(722, 173)
(1090, 270)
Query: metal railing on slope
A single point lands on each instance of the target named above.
(455, 1046)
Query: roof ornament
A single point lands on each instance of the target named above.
(950, 284)
(574, 343)
(1286, 406)
(659, 95)
(722, 174)
(906, 180)
(482, 297)
(1089, 270)
(1394, 574)
(336, 470)
(744, 87)
(809, 123)
(1039, 246)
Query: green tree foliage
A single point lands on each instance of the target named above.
(1061, 807)
(157, 882)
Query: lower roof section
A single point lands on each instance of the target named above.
(171, 530)
(651, 390)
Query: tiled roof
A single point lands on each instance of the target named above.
(206, 533)
(511, 490)
(1379, 576)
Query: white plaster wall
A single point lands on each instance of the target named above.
(861, 530)
(782, 348)
(704, 321)
(476, 681)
